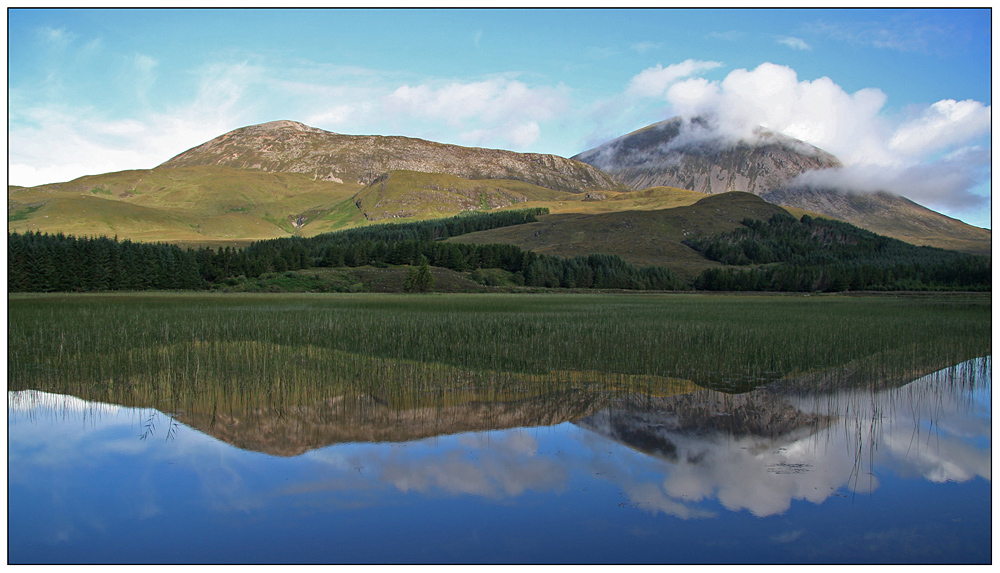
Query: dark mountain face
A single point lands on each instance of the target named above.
(889, 215)
(680, 153)
(291, 147)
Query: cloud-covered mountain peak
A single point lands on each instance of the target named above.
(702, 155)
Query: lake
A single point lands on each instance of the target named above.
(187, 428)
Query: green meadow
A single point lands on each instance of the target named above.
(193, 350)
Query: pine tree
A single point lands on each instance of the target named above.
(419, 279)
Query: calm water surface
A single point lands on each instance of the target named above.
(780, 474)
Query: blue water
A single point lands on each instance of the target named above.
(98, 483)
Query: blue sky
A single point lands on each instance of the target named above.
(903, 97)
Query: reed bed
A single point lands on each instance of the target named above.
(250, 350)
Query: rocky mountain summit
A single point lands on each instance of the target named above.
(292, 147)
(681, 153)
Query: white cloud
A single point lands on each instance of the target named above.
(611, 117)
(654, 82)
(504, 467)
(335, 115)
(794, 43)
(500, 110)
(906, 33)
(945, 123)
(946, 183)
(852, 126)
(145, 73)
(60, 143)
(518, 135)
(52, 142)
(144, 63)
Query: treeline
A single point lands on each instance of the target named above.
(783, 254)
(40, 262)
(433, 229)
(823, 255)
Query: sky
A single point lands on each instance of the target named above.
(901, 97)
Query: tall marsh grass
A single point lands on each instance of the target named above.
(249, 350)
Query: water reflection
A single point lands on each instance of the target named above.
(89, 471)
(501, 429)
(761, 450)
(296, 429)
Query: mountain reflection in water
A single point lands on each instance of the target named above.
(757, 451)
(761, 450)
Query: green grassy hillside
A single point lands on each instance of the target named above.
(216, 205)
(651, 237)
(416, 195)
(185, 205)
(212, 205)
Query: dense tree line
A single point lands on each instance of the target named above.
(38, 262)
(787, 254)
(782, 254)
(42, 262)
(433, 229)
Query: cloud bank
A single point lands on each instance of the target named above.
(931, 154)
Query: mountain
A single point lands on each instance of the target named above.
(291, 147)
(665, 154)
(298, 428)
(285, 178)
(684, 153)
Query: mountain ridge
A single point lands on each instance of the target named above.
(286, 178)
(288, 146)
